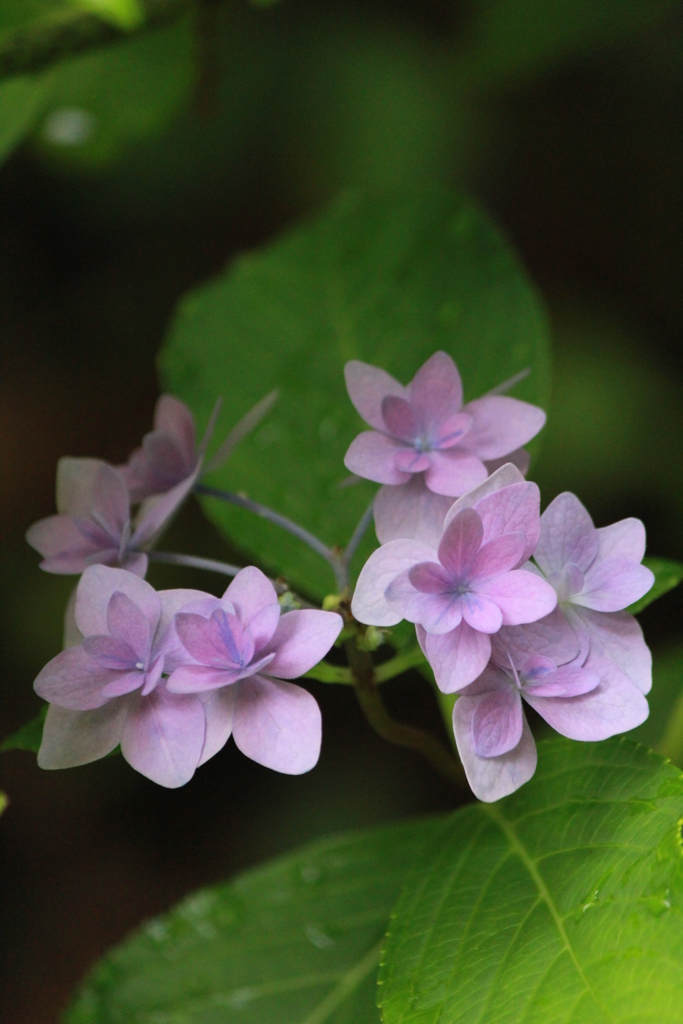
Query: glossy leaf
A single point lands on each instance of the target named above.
(668, 574)
(385, 280)
(293, 942)
(561, 903)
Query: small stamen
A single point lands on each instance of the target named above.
(140, 666)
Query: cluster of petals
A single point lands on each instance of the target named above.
(171, 675)
(425, 445)
(463, 590)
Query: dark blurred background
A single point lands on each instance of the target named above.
(146, 172)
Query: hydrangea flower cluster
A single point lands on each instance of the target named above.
(510, 606)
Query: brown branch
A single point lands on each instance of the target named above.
(35, 46)
(423, 743)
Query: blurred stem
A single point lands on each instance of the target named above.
(224, 568)
(395, 732)
(36, 46)
(671, 743)
(400, 663)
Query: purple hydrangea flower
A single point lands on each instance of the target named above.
(584, 698)
(242, 652)
(168, 454)
(110, 689)
(424, 428)
(597, 574)
(94, 521)
(464, 590)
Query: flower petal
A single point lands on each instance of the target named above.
(202, 642)
(613, 584)
(492, 778)
(500, 425)
(369, 603)
(278, 725)
(173, 416)
(73, 680)
(453, 471)
(163, 736)
(481, 613)
(372, 456)
(301, 639)
(72, 738)
(155, 513)
(550, 637)
(249, 592)
(76, 480)
(126, 622)
(219, 708)
(614, 706)
(436, 391)
(567, 681)
(166, 640)
(616, 636)
(202, 679)
(499, 555)
(458, 657)
(505, 476)
(399, 419)
(367, 386)
(625, 539)
(497, 721)
(520, 458)
(460, 544)
(521, 596)
(438, 612)
(567, 535)
(63, 546)
(96, 588)
(410, 511)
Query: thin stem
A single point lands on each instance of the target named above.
(400, 663)
(358, 534)
(326, 673)
(394, 732)
(508, 384)
(283, 522)
(192, 562)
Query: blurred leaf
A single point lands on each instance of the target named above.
(514, 38)
(102, 102)
(667, 687)
(21, 100)
(559, 903)
(29, 736)
(20, 14)
(125, 14)
(295, 941)
(668, 574)
(385, 280)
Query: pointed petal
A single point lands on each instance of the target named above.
(263, 624)
(409, 460)
(110, 652)
(399, 419)
(301, 639)
(499, 555)
(458, 657)
(367, 386)
(616, 636)
(567, 535)
(155, 513)
(97, 586)
(173, 416)
(63, 546)
(625, 539)
(126, 622)
(372, 456)
(453, 471)
(278, 725)
(204, 678)
(201, 642)
(614, 706)
(72, 738)
(521, 596)
(497, 722)
(73, 680)
(166, 640)
(410, 511)
(550, 637)
(219, 708)
(503, 477)
(72, 635)
(438, 612)
(520, 458)
(613, 584)
(249, 592)
(564, 682)
(460, 544)
(492, 778)
(110, 501)
(500, 425)
(369, 604)
(163, 736)
(76, 479)
(436, 390)
(513, 509)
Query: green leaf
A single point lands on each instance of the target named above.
(295, 941)
(21, 100)
(387, 280)
(667, 688)
(668, 574)
(561, 903)
(29, 736)
(126, 14)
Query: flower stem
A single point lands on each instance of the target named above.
(400, 663)
(395, 732)
(313, 542)
(224, 568)
(358, 534)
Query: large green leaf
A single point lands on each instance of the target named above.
(293, 942)
(668, 574)
(387, 280)
(559, 905)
